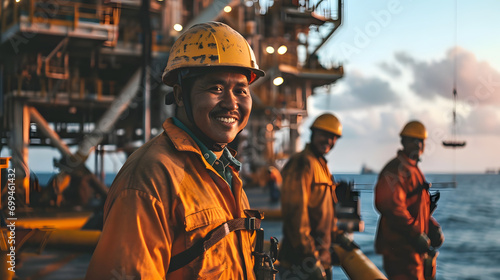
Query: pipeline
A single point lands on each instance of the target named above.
(356, 265)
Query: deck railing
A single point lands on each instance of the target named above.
(62, 13)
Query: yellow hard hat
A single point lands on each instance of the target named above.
(414, 129)
(207, 45)
(329, 123)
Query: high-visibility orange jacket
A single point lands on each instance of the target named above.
(403, 202)
(307, 206)
(164, 199)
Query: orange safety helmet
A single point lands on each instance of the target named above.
(329, 123)
(210, 44)
(414, 129)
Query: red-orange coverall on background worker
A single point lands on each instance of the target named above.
(308, 213)
(404, 205)
(164, 198)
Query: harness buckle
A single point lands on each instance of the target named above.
(250, 223)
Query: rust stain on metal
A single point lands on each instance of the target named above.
(178, 58)
(201, 57)
(213, 58)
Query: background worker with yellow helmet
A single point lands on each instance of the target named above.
(307, 205)
(176, 209)
(406, 232)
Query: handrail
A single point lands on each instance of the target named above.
(73, 12)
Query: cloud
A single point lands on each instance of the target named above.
(390, 69)
(373, 123)
(368, 106)
(484, 121)
(477, 82)
(357, 92)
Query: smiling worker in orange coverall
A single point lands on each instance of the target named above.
(184, 183)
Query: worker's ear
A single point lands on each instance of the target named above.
(178, 95)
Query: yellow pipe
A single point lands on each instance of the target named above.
(53, 222)
(357, 266)
(66, 239)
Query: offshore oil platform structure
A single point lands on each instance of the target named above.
(84, 76)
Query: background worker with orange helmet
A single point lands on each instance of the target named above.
(176, 209)
(307, 205)
(406, 229)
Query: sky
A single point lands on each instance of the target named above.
(401, 60)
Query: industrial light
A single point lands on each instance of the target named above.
(278, 81)
(282, 49)
(227, 9)
(270, 50)
(177, 27)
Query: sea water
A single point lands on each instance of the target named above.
(469, 216)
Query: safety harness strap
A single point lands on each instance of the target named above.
(418, 189)
(214, 236)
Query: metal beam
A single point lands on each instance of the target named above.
(44, 127)
(337, 23)
(47, 131)
(109, 119)
(19, 142)
(211, 12)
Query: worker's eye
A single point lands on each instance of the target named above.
(241, 91)
(216, 89)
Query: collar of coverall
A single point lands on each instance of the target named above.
(317, 154)
(227, 154)
(404, 158)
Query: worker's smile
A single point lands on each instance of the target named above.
(226, 121)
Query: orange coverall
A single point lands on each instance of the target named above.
(164, 199)
(404, 206)
(307, 206)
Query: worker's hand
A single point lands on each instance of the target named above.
(318, 272)
(436, 236)
(422, 243)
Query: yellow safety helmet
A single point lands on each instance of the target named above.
(207, 45)
(414, 129)
(329, 123)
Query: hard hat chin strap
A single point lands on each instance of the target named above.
(209, 143)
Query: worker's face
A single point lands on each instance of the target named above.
(221, 104)
(323, 141)
(413, 147)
